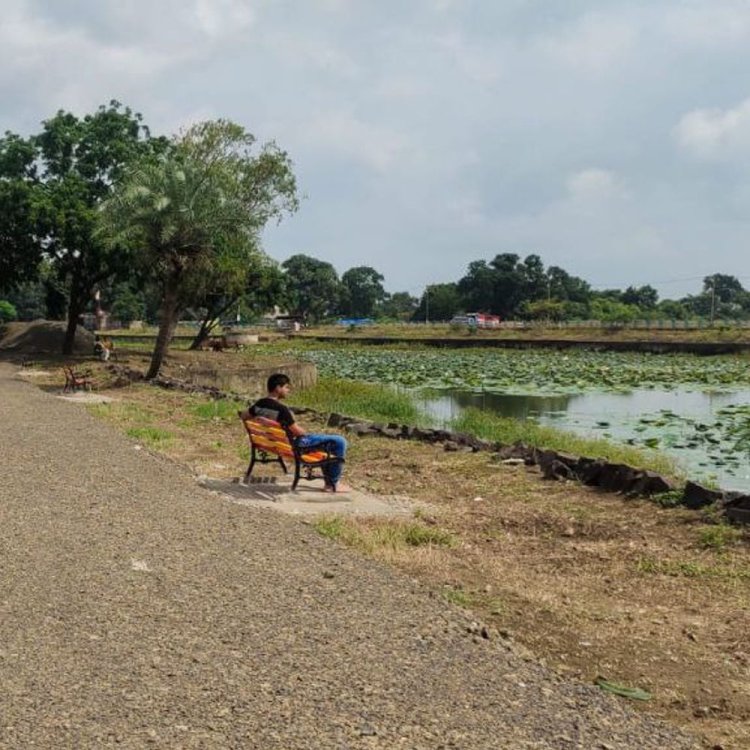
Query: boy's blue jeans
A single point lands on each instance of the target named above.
(332, 472)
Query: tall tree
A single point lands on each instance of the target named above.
(509, 284)
(127, 303)
(198, 208)
(313, 287)
(399, 305)
(50, 187)
(263, 285)
(533, 279)
(477, 287)
(439, 302)
(645, 297)
(567, 288)
(362, 291)
(723, 287)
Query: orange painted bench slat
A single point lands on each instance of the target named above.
(269, 437)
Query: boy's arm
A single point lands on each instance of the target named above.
(296, 430)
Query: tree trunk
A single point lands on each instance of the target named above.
(70, 331)
(202, 335)
(75, 308)
(208, 324)
(167, 323)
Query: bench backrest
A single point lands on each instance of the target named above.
(270, 436)
(73, 376)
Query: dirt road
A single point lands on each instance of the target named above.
(139, 610)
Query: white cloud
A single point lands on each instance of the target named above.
(377, 147)
(219, 18)
(307, 52)
(716, 133)
(591, 44)
(592, 183)
(69, 68)
(479, 64)
(711, 24)
(398, 88)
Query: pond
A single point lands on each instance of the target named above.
(704, 432)
(694, 408)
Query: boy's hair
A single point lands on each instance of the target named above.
(276, 380)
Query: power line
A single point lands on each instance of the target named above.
(663, 281)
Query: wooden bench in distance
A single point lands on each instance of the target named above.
(269, 438)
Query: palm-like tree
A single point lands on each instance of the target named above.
(194, 215)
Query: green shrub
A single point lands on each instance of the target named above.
(7, 311)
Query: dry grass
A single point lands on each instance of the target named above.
(591, 583)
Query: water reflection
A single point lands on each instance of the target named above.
(445, 405)
(616, 416)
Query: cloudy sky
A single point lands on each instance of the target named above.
(611, 137)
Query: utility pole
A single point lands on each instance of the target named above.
(427, 304)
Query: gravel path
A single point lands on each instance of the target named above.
(138, 610)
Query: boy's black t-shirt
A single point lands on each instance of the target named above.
(270, 408)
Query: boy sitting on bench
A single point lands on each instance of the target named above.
(270, 407)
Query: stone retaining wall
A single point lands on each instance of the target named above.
(556, 465)
(249, 380)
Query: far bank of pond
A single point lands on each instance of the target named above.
(654, 346)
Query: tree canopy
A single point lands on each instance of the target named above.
(362, 291)
(50, 187)
(313, 287)
(194, 215)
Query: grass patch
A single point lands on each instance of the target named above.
(367, 400)
(507, 430)
(416, 535)
(719, 537)
(382, 534)
(154, 437)
(457, 596)
(669, 499)
(216, 410)
(121, 412)
(335, 527)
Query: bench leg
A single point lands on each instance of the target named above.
(296, 475)
(250, 467)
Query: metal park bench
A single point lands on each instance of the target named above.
(76, 380)
(272, 443)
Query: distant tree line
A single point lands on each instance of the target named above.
(524, 290)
